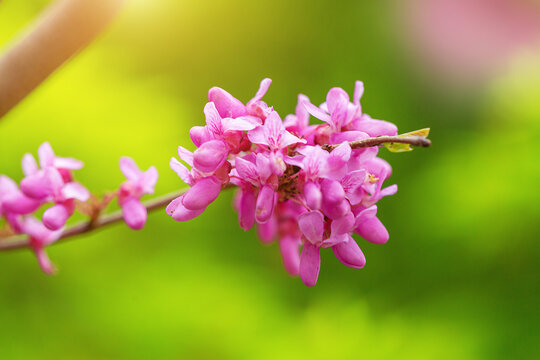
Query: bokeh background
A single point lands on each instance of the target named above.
(458, 278)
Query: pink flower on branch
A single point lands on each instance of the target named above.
(291, 184)
(51, 182)
(138, 183)
(308, 186)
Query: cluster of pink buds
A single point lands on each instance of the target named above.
(51, 184)
(300, 183)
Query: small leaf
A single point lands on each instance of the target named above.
(400, 147)
(422, 133)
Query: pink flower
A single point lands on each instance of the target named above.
(229, 106)
(342, 115)
(13, 201)
(205, 187)
(138, 183)
(40, 237)
(53, 183)
(222, 128)
(289, 185)
(273, 134)
(314, 228)
(298, 124)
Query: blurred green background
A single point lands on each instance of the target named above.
(457, 280)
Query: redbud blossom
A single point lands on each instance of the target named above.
(291, 187)
(51, 183)
(138, 183)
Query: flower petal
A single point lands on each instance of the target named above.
(387, 191)
(130, 169)
(350, 254)
(29, 165)
(372, 229)
(185, 155)
(226, 104)
(7, 186)
(332, 191)
(312, 226)
(17, 202)
(358, 92)
(258, 136)
(267, 231)
(44, 262)
(74, 190)
(149, 180)
(247, 170)
(55, 217)
(37, 186)
(67, 163)
(263, 88)
(289, 248)
(46, 155)
(134, 213)
(337, 101)
(210, 156)
(375, 127)
(287, 139)
(265, 204)
(243, 123)
(200, 195)
(310, 263)
(313, 195)
(199, 135)
(343, 225)
(213, 119)
(179, 212)
(181, 171)
(246, 209)
(352, 185)
(316, 112)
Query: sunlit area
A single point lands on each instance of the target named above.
(458, 277)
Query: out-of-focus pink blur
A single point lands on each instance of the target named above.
(470, 40)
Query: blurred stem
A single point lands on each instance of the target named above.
(380, 140)
(62, 30)
(21, 241)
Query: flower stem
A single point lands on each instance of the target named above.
(380, 140)
(21, 241)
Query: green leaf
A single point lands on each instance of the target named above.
(400, 147)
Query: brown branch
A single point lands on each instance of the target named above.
(21, 241)
(379, 140)
(61, 31)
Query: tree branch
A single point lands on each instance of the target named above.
(379, 140)
(22, 241)
(61, 31)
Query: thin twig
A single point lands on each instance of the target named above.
(379, 140)
(21, 241)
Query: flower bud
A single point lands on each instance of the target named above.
(313, 195)
(134, 213)
(210, 156)
(265, 204)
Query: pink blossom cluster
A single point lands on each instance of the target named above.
(295, 189)
(50, 183)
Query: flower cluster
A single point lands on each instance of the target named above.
(49, 183)
(290, 183)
